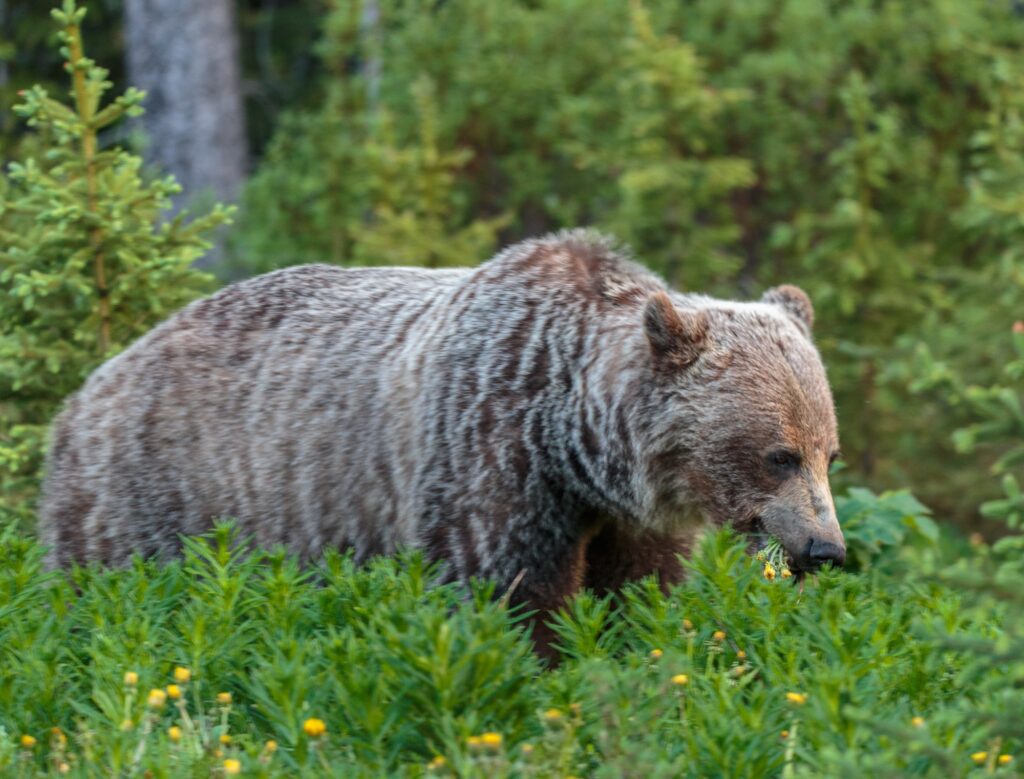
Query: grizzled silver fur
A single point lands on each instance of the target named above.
(555, 412)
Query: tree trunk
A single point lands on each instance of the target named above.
(184, 53)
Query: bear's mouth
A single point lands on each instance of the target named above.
(758, 539)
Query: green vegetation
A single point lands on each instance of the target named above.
(700, 683)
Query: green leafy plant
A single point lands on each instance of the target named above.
(236, 654)
(873, 524)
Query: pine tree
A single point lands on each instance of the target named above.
(86, 263)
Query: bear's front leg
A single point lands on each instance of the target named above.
(536, 564)
(546, 582)
(615, 556)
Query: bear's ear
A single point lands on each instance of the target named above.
(677, 337)
(794, 301)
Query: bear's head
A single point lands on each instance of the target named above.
(743, 425)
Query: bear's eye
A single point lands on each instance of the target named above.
(785, 460)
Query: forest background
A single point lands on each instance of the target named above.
(871, 152)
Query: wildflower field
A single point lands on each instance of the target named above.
(233, 662)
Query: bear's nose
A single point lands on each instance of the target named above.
(822, 552)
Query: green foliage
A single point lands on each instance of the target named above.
(873, 524)
(402, 672)
(358, 180)
(85, 261)
(997, 422)
(28, 56)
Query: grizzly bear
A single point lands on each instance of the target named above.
(552, 419)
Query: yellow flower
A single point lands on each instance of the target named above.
(769, 571)
(784, 734)
(131, 678)
(64, 768)
(491, 739)
(741, 655)
(58, 736)
(687, 625)
(979, 757)
(656, 653)
(474, 741)
(437, 762)
(127, 724)
(552, 715)
(718, 635)
(173, 692)
(575, 708)
(232, 767)
(224, 698)
(225, 738)
(314, 728)
(270, 747)
(156, 699)
(917, 722)
(182, 675)
(681, 680)
(1005, 759)
(796, 698)
(786, 573)
(28, 741)
(527, 749)
(174, 732)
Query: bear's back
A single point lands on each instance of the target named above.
(269, 401)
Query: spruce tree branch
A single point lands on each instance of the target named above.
(78, 69)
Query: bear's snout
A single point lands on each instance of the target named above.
(820, 552)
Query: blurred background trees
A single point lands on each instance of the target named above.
(184, 55)
(871, 151)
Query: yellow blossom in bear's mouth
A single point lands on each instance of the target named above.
(769, 571)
